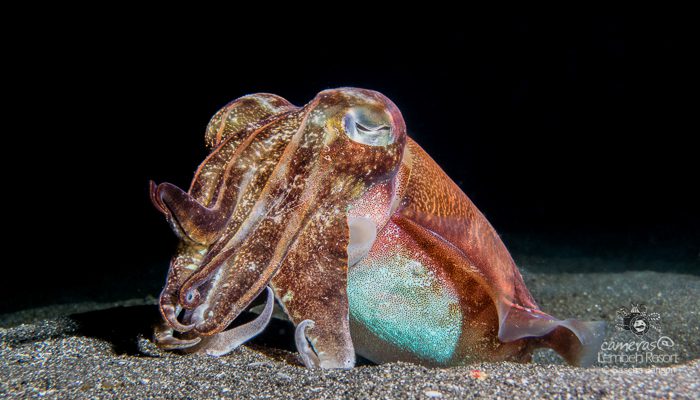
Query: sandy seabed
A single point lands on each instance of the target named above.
(93, 350)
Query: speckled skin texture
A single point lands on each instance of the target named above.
(354, 227)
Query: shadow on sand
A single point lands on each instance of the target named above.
(123, 326)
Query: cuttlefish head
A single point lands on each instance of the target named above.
(289, 175)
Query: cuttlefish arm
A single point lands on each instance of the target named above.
(188, 218)
(201, 213)
(227, 341)
(307, 355)
(222, 343)
(198, 214)
(311, 286)
(163, 335)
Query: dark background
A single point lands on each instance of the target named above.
(573, 136)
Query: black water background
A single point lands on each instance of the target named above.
(573, 136)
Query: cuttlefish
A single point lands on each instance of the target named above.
(367, 246)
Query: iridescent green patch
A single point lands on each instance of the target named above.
(403, 303)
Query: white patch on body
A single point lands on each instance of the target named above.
(363, 233)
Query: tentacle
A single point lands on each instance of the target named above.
(227, 341)
(163, 336)
(170, 313)
(306, 353)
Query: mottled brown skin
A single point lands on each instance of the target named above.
(289, 208)
(293, 197)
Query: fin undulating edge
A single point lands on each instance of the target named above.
(576, 341)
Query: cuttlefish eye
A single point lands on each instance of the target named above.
(369, 127)
(191, 298)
